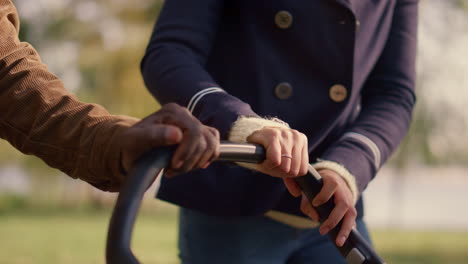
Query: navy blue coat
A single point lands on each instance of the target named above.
(347, 75)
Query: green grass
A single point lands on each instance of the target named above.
(78, 236)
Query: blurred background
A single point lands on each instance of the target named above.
(416, 207)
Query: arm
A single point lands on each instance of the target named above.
(387, 102)
(39, 117)
(174, 71)
(173, 67)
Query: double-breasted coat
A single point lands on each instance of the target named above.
(340, 71)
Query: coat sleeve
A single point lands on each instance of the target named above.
(173, 67)
(387, 102)
(38, 116)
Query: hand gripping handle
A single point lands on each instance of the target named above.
(356, 249)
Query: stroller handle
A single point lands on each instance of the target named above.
(356, 250)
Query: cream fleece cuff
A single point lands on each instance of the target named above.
(343, 172)
(245, 126)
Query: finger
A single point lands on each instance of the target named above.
(215, 138)
(348, 223)
(292, 187)
(334, 218)
(327, 191)
(207, 152)
(307, 209)
(212, 149)
(269, 139)
(192, 157)
(305, 159)
(184, 154)
(179, 116)
(160, 135)
(286, 151)
(296, 153)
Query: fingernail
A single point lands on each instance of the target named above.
(315, 203)
(206, 165)
(341, 240)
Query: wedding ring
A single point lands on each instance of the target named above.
(286, 156)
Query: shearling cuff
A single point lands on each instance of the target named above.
(343, 172)
(245, 126)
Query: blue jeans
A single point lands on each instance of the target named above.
(205, 239)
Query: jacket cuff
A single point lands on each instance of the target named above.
(244, 126)
(105, 170)
(343, 172)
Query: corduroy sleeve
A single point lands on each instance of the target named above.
(38, 116)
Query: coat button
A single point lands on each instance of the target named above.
(283, 19)
(283, 91)
(358, 25)
(338, 93)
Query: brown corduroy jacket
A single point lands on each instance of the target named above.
(39, 116)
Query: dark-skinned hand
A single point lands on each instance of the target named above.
(198, 145)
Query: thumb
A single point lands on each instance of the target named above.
(292, 187)
(258, 138)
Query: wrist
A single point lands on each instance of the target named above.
(344, 174)
(245, 126)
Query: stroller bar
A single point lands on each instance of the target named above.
(118, 251)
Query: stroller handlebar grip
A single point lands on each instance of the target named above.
(118, 251)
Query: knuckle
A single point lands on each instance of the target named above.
(171, 107)
(286, 133)
(333, 182)
(196, 131)
(273, 132)
(202, 144)
(215, 132)
(344, 204)
(210, 143)
(347, 204)
(296, 134)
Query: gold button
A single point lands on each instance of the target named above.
(283, 91)
(358, 25)
(283, 19)
(338, 93)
